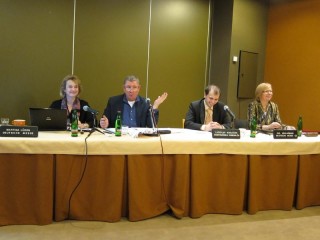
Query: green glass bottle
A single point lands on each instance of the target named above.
(299, 126)
(118, 125)
(74, 123)
(253, 127)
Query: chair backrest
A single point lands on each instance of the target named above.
(241, 123)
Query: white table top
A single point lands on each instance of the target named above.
(180, 141)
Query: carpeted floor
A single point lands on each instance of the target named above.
(275, 225)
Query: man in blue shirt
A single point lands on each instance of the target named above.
(134, 108)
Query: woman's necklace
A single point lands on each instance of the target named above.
(264, 107)
(69, 107)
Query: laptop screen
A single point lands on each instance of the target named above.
(48, 119)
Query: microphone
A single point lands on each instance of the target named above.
(227, 109)
(148, 101)
(89, 109)
(153, 120)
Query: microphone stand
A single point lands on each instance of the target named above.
(231, 115)
(153, 122)
(232, 122)
(94, 128)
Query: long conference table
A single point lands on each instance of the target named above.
(55, 176)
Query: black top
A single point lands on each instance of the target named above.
(85, 117)
(196, 115)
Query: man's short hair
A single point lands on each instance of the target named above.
(214, 88)
(131, 78)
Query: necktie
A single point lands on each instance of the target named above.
(208, 117)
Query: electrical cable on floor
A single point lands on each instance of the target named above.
(162, 171)
(82, 174)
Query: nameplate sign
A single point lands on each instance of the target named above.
(226, 133)
(18, 131)
(285, 134)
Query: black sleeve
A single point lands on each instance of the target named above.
(223, 118)
(56, 104)
(114, 104)
(86, 117)
(192, 120)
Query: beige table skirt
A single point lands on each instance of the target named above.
(39, 189)
(26, 189)
(188, 185)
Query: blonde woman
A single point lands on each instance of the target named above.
(265, 111)
(70, 90)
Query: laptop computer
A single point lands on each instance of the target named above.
(48, 119)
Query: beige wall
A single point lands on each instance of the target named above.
(249, 31)
(292, 60)
(111, 41)
(35, 53)
(237, 25)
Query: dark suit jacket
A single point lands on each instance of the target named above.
(196, 115)
(85, 117)
(143, 118)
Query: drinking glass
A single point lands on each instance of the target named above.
(4, 121)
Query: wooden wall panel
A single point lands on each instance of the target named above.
(292, 60)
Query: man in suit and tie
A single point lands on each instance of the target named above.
(207, 113)
(134, 108)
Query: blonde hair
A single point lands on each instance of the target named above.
(261, 88)
(63, 86)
